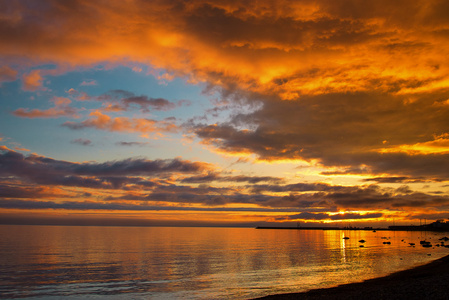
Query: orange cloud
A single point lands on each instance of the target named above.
(61, 109)
(104, 122)
(22, 149)
(33, 81)
(286, 47)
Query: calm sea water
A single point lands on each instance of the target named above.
(52, 262)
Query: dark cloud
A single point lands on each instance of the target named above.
(254, 179)
(334, 217)
(353, 216)
(334, 198)
(425, 217)
(272, 29)
(54, 112)
(340, 130)
(418, 200)
(210, 177)
(7, 74)
(307, 198)
(393, 179)
(377, 198)
(90, 205)
(83, 142)
(140, 167)
(125, 100)
(140, 144)
(114, 174)
(36, 218)
(297, 187)
(11, 191)
(121, 100)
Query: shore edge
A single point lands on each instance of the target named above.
(429, 281)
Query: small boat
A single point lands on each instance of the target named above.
(346, 238)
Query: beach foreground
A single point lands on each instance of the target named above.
(430, 281)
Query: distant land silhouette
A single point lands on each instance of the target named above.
(439, 225)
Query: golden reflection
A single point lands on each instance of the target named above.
(343, 245)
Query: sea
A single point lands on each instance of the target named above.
(87, 262)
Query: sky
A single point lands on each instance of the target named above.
(224, 113)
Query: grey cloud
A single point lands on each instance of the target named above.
(334, 217)
(125, 100)
(7, 191)
(391, 179)
(76, 126)
(254, 179)
(7, 74)
(210, 177)
(140, 144)
(87, 205)
(81, 141)
(311, 199)
(297, 187)
(340, 130)
(112, 174)
(243, 30)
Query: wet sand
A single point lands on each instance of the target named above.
(430, 281)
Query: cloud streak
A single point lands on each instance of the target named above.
(101, 121)
(81, 141)
(61, 108)
(114, 174)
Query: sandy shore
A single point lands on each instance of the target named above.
(430, 281)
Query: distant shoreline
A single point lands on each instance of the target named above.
(390, 228)
(429, 281)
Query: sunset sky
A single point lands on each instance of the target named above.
(237, 113)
